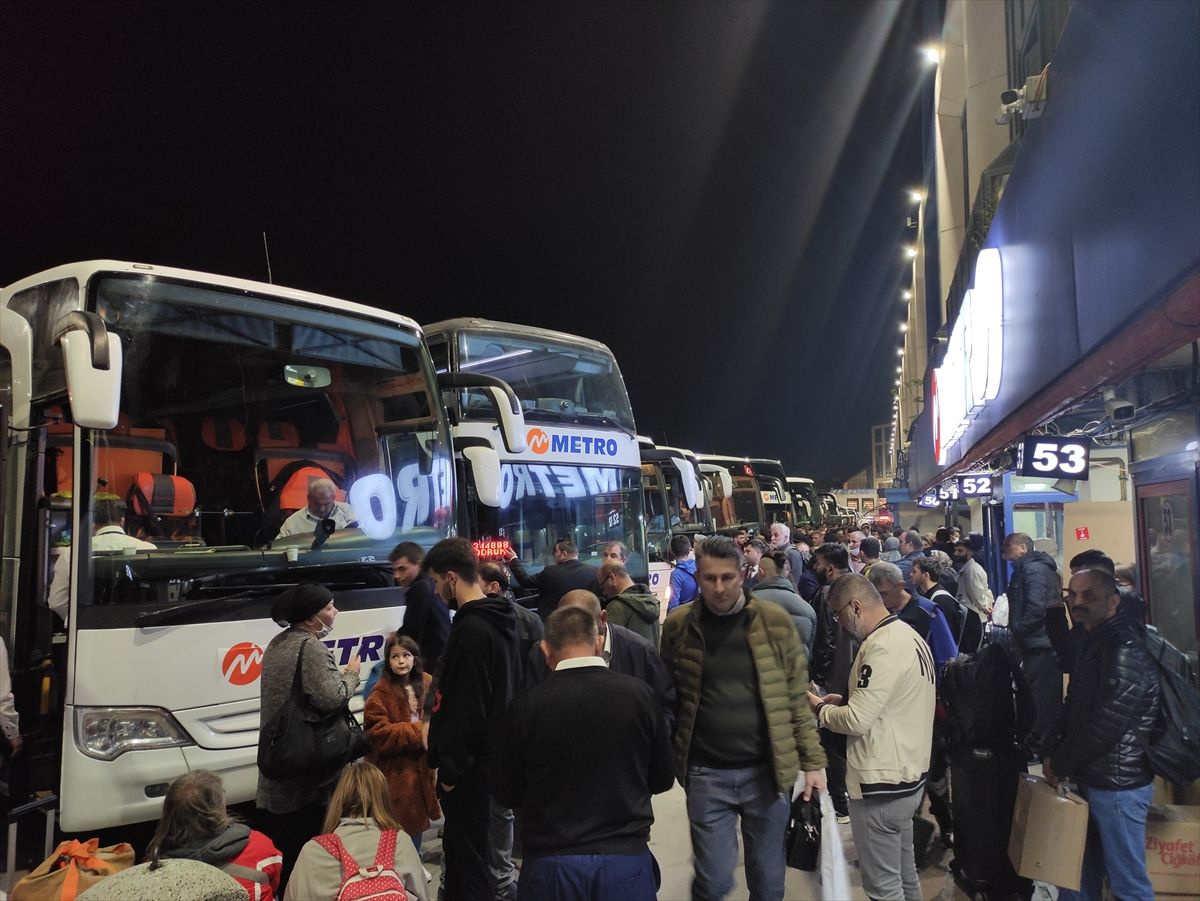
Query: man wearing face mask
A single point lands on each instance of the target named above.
(854, 549)
(886, 719)
(480, 673)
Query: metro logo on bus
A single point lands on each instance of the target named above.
(599, 445)
(242, 663)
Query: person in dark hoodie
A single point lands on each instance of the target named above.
(1034, 585)
(480, 674)
(195, 826)
(628, 603)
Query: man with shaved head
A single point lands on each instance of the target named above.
(586, 732)
(622, 649)
(1035, 584)
(887, 719)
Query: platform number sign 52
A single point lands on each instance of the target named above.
(975, 485)
(1055, 457)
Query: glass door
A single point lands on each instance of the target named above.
(1168, 551)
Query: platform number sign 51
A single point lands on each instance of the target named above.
(1055, 457)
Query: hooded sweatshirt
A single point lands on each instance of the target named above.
(684, 586)
(481, 670)
(245, 854)
(637, 609)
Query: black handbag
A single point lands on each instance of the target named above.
(804, 834)
(299, 741)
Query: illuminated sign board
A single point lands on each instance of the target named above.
(929, 499)
(978, 484)
(1054, 456)
(948, 491)
(970, 373)
(493, 549)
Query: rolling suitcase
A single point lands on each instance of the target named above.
(983, 788)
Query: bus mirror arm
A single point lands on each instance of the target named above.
(508, 407)
(93, 362)
(485, 471)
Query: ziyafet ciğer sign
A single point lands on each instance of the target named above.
(970, 373)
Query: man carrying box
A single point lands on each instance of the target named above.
(1110, 715)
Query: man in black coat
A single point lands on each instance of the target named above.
(581, 756)
(623, 650)
(1110, 716)
(555, 580)
(1035, 584)
(480, 673)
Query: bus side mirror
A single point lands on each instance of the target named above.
(92, 359)
(485, 471)
(691, 482)
(507, 407)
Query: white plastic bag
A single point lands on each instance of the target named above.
(834, 874)
(1000, 611)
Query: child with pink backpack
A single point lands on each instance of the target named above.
(362, 853)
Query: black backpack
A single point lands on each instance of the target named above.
(1175, 754)
(987, 700)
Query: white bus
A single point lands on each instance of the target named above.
(736, 502)
(578, 473)
(207, 404)
(675, 501)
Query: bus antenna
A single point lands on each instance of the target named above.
(267, 254)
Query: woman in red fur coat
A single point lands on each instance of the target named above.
(392, 718)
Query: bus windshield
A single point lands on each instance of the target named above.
(556, 381)
(235, 409)
(743, 508)
(591, 504)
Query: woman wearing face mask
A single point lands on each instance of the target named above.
(291, 810)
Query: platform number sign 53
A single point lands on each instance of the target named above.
(1055, 457)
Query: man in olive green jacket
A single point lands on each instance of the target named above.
(744, 730)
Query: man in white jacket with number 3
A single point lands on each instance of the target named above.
(888, 718)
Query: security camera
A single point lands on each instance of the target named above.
(1117, 408)
(1028, 101)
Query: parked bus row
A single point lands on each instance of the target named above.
(207, 406)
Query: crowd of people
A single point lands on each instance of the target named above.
(787, 664)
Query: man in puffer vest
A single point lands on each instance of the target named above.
(888, 721)
(743, 730)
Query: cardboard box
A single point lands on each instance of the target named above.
(1173, 850)
(1166, 793)
(1049, 831)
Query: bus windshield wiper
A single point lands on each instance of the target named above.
(176, 612)
(607, 420)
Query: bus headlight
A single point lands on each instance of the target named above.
(108, 732)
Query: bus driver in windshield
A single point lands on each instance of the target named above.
(321, 505)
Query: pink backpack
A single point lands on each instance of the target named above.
(379, 882)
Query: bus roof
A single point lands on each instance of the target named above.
(721, 458)
(478, 324)
(800, 480)
(83, 271)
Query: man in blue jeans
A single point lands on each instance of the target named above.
(1111, 713)
(743, 729)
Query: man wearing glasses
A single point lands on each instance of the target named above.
(888, 719)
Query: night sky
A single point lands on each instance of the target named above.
(718, 191)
